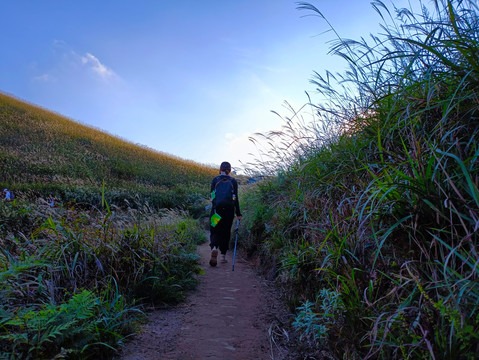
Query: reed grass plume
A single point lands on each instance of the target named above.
(376, 200)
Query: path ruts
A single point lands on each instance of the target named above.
(226, 318)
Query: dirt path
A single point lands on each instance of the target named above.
(229, 317)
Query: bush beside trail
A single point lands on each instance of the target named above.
(371, 222)
(190, 198)
(73, 281)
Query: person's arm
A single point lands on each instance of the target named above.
(212, 187)
(237, 207)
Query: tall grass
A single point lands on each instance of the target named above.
(378, 200)
(73, 281)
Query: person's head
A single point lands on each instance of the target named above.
(225, 167)
(4, 190)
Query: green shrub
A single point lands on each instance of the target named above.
(73, 285)
(377, 198)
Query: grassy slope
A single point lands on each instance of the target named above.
(39, 147)
(72, 278)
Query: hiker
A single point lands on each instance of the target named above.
(224, 196)
(51, 201)
(8, 195)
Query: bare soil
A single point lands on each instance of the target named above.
(232, 315)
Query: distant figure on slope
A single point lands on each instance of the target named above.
(8, 195)
(224, 197)
(51, 201)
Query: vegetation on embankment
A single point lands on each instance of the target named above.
(75, 278)
(372, 223)
(73, 281)
(42, 152)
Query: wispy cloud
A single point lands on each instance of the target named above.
(44, 78)
(92, 62)
(256, 58)
(66, 62)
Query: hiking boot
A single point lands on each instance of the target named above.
(213, 259)
(223, 259)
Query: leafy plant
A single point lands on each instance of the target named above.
(376, 189)
(74, 285)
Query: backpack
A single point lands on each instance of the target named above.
(224, 193)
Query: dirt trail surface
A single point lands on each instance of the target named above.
(228, 317)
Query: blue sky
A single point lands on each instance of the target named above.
(190, 78)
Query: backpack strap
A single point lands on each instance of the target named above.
(225, 180)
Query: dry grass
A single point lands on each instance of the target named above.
(41, 147)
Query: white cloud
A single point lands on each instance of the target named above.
(44, 78)
(59, 44)
(94, 64)
(66, 63)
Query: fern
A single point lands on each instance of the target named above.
(53, 324)
(13, 269)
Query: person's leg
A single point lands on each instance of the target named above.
(213, 238)
(214, 248)
(213, 244)
(224, 233)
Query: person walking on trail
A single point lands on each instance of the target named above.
(224, 197)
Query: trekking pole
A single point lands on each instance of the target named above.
(236, 241)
